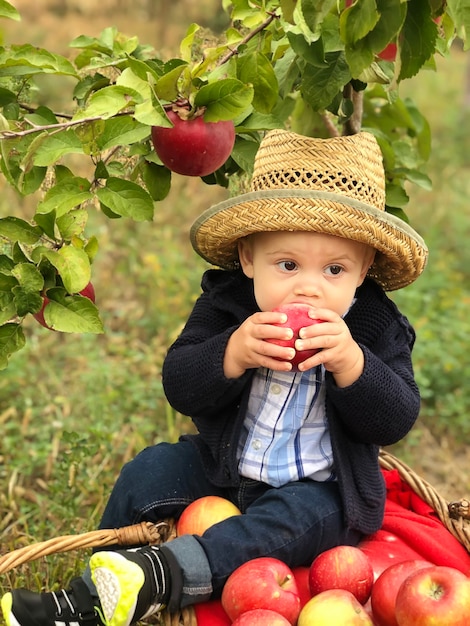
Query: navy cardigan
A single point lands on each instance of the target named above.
(377, 410)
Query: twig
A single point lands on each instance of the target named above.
(247, 38)
(11, 134)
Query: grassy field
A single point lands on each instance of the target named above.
(73, 409)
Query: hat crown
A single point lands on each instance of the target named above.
(351, 166)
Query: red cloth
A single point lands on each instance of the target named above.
(414, 522)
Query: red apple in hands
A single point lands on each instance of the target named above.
(260, 617)
(203, 513)
(262, 583)
(193, 147)
(384, 592)
(335, 607)
(342, 567)
(434, 596)
(297, 318)
(87, 292)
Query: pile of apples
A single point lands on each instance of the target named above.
(341, 587)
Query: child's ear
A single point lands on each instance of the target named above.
(245, 255)
(368, 261)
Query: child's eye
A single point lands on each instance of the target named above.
(288, 266)
(334, 270)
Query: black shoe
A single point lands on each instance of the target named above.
(131, 584)
(71, 607)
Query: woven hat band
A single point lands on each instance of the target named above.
(351, 166)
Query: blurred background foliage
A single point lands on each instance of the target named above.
(74, 408)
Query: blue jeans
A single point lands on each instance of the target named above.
(293, 523)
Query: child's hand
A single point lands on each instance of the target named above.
(339, 353)
(248, 349)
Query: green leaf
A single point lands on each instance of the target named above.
(73, 266)
(157, 179)
(460, 12)
(166, 86)
(65, 195)
(26, 301)
(224, 100)
(54, 147)
(27, 60)
(419, 34)
(17, 229)
(6, 96)
(358, 20)
(12, 339)
(122, 131)
(72, 224)
(72, 314)
(109, 101)
(256, 69)
(28, 276)
(127, 199)
(321, 85)
(9, 11)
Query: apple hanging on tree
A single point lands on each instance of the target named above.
(86, 292)
(192, 146)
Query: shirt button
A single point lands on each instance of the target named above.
(256, 445)
(276, 389)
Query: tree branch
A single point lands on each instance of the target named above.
(247, 38)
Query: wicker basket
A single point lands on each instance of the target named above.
(455, 515)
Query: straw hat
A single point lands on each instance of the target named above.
(334, 186)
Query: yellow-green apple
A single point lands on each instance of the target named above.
(342, 567)
(261, 617)
(262, 583)
(203, 513)
(434, 596)
(297, 318)
(86, 292)
(334, 607)
(192, 146)
(385, 589)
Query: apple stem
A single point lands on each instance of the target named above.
(285, 580)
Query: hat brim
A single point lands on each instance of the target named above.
(402, 253)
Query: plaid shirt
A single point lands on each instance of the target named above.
(285, 433)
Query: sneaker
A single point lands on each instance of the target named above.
(71, 607)
(131, 584)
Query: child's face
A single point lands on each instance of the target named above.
(316, 269)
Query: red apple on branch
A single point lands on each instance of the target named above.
(262, 583)
(203, 513)
(434, 596)
(335, 607)
(342, 567)
(384, 592)
(193, 147)
(87, 292)
(297, 318)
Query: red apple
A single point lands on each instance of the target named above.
(297, 318)
(262, 583)
(342, 567)
(385, 549)
(87, 292)
(389, 53)
(334, 607)
(261, 617)
(203, 513)
(193, 147)
(434, 596)
(385, 589)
